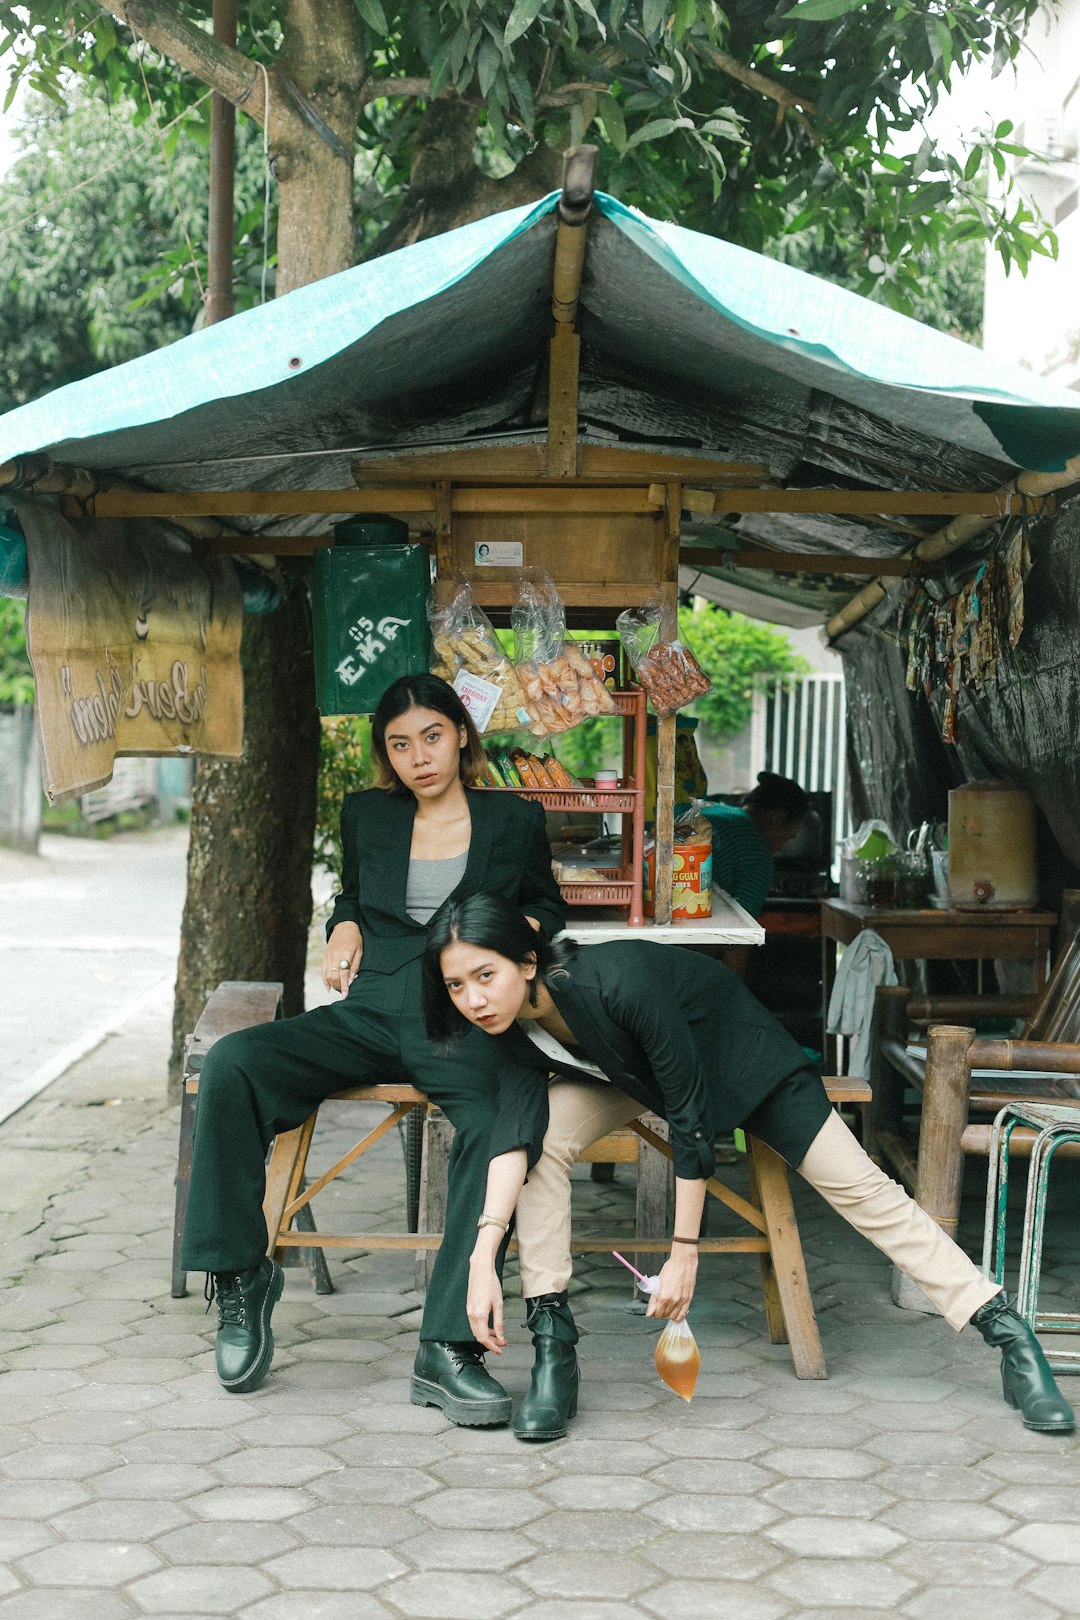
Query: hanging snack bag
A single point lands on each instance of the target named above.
(467, 654)
(560, 685)
(666, 668)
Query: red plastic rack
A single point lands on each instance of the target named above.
(623, 885)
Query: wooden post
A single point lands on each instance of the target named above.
(944, 1115)
(668, 570)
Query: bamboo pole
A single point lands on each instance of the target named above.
(951, 537)
(575, 206)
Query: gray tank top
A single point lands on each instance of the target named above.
(430, 883)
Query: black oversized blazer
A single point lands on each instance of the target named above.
(675, 1030)
(509, 854)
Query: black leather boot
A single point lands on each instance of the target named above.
(1026, 1378)
(245, 1345)
(553, 1393)
(453, 1377)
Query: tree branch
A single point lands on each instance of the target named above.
(380, 89)
(753, 80)
(228, 71)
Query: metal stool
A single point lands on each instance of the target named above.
(1056, 1125)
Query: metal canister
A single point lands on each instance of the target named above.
(992, 849)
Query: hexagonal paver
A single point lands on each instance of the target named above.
(317, 1606)
(1046, 1503)
(589, 1490)
(699, 1556)
(569, 1576)
(596, 1529)
(834, 1538)
(467, 1549)
(391, 1486)
(56, 1603)
(450, 1596)
(249, 1502)
(89, 1563)
(813, 1583)
(59, 1462)
(229, 1541)
(172, 1481)
(948, 1521)
(276, 1465)
(977, 1564)
(338, 1569)
(704, 1512)
(495, 1510)
(972, 1603)
(1053, 1543)
(359, 1524)
(690, 1600)
(850, 1499)
(188, 1590)
(943, 1482)
(119, 1520)
(719, 1478)
(819, 1462)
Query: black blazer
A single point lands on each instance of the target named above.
(509, 854)
(676, 1030)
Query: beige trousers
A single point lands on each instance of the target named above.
(835, 1165)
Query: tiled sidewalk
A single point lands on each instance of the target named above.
(135, 1486)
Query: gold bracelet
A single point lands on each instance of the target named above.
(493, 1220)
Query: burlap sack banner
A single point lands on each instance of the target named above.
(135, 647)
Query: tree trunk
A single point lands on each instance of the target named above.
(248, 905)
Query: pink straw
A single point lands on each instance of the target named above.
(638, 1274)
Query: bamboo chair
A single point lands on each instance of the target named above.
(959, 1077)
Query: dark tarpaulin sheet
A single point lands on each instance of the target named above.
(1024, 727)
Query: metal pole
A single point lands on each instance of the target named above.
(220, 230)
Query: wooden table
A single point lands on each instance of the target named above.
(729, 924)
(932, 935)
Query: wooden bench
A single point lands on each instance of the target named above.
(947, 1079)
(768, 1212)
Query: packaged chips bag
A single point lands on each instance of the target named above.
(663, 665)
(561, 686)
(467, 654)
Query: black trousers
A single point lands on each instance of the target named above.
(261, 1081)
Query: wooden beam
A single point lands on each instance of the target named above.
(400, 499)
(522, 463)
(803, 562)
(870, 502)
(612, 593)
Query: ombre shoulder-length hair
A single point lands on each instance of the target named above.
(492, 923)
(422, 692)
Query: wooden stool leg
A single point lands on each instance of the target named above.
(770, 1293)
(434, 1180)
(788, 1264)
(284, 1173)
(314, 1259)
(655, 1201)
(183, 1187)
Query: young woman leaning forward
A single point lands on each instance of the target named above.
(630, 1026)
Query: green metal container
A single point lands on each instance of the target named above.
(369, 614)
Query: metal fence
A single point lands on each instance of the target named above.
(799, 731)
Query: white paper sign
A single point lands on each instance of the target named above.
(498, 553)
(479, 697)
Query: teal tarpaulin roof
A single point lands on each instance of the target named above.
(689, 343)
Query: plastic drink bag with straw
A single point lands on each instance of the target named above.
(677, 1357)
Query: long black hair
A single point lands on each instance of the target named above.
(423, 691)
(493, 923)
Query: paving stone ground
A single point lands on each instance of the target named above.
(133, 1485)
